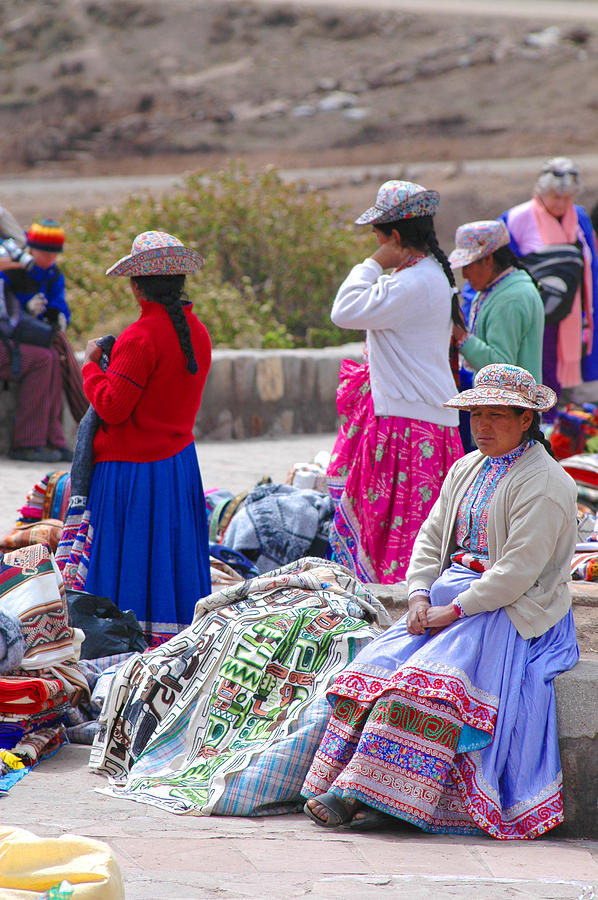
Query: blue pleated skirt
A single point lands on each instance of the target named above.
(148, 548)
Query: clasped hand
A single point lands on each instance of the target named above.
(93, 352)
(423, 617)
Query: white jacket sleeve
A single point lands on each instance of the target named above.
(369, 299)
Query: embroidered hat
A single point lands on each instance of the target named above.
(501, 384)
(157, 253)
(400, 200)
(474, 240)
(46, 234)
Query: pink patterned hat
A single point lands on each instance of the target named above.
(400, 200)
(475, 240)
(501, 384)
(157, 253)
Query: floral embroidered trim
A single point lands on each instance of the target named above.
(458, 608)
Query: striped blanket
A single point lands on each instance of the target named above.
(226, 716)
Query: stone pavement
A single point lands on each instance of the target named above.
(163, 856)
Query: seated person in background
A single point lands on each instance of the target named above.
(40, 289)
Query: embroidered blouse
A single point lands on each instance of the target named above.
(471, 524)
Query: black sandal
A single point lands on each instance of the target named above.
(341, 812)
(366, 818)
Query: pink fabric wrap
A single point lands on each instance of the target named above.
(533, 228)
(384, 477)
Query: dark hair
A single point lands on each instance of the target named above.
(504, 257)
(534, 432)
(168, 291)
(419, 233)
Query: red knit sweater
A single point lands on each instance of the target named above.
(147, 399)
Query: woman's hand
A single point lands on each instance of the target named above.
(391, 255)
(440, 616)
(93, 352)
(417, 621)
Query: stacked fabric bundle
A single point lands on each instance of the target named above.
(575, 431)
(40, 519)
(39, 676)
(47, 499)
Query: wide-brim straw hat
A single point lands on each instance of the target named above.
(475, 240)
(400, 200)
(157, 253)
(501, 384)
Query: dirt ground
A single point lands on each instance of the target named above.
(134, 87)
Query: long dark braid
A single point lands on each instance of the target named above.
(168, 291)
(535, 433)
(419, 233)
(504, 257)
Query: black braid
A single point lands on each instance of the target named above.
(535, 433)
(168, 291)
(504, 257)
(419, 233)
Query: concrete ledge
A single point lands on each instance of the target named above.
(251, 393)
(577, 717)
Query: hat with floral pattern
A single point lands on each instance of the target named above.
(157, 253)
(474, 240)
(400, 200)
(501, 384)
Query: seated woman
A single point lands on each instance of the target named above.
(447, 720)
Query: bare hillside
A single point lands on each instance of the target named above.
(125, 85)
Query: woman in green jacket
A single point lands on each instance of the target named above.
(506, 317)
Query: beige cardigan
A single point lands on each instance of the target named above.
(532, 531)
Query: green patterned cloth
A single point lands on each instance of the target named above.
(181, 721)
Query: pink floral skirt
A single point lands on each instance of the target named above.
(384, 476)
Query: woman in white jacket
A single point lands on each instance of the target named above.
(396, 441)
(447, 720)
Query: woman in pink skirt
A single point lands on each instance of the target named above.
(396, 441)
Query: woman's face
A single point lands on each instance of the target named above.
(557, 204)
(383, 238)
(480, 272)
(498, 429)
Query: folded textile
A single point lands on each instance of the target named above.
(10, 734)
(583, 467)
(48, 498)
(25, 695)
(38, 745)
(12, 642)
(279, 524)
(43, 531)
(31, 588)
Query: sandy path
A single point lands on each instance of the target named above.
(544, 11)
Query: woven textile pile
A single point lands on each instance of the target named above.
(40, 679)
(225, 717)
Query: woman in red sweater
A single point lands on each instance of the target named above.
(147, 540)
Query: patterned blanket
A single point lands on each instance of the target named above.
(181, 722)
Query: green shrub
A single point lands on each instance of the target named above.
(275, 255)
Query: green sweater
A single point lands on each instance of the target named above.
(509, 327)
